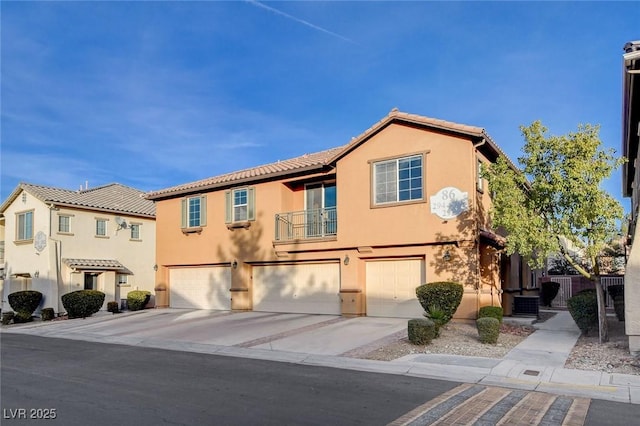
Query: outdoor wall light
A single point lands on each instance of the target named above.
(446, 256)
(234, 264)
(155, 267)
(346, 259)
(36, 274)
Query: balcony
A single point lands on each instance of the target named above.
(306, 224)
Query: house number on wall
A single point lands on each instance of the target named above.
(449, 202)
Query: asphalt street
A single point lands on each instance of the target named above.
(89, 383)
(102, 384)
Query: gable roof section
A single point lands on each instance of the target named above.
(114, 198)
(328, 158)
(473, 132)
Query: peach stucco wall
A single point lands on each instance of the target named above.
(365, 232)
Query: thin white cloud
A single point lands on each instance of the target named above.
(300, 21)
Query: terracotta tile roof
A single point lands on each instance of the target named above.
(113, 197)
(101, 264)
(306, 162)
(319, 160)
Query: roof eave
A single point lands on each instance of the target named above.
(165, 194)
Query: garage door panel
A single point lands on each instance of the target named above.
(391, 288)
(200, 288)
(301, 288)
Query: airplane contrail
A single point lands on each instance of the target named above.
(300, 21)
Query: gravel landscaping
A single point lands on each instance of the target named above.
(461, 338)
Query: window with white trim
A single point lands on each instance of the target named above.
(194, 211)
(240, 205)
(398, 180)
(25, 226)
(64, 224)
(101, 227)
(135, 231)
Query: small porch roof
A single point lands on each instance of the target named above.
(97, 264)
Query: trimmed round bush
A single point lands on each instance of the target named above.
(583, 308)
(24, 303)
(113, 307)
(137, 299)
(82, 303)
(488, 329)
(421, 331)
(444, 295)
(549, 292)
(47, 314)
(491, 312)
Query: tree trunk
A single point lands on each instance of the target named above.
(602, 313)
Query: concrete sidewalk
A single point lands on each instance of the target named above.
(535, 364)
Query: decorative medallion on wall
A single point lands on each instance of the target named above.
(449, 202)
(40, 241)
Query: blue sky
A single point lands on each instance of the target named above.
(155, 94)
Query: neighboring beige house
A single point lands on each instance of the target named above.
(631, 187)
(60, 240)
(352, 230)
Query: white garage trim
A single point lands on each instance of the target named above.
(391, 288)
(312, 288)
(200, 287)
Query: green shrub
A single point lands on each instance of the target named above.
(83, 303)
(491, 312)
(7, 317)
(47, 314)
(488, 329)
(25, 302)
(445, 295)
(549, 292)
(22, 317)
(113, 307)
(439, 317)
(583, 308)
(421, 331)
(137, 299)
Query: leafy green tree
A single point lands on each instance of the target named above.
(557, 200)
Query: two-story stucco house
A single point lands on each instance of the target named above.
(351, 230)
(60, 240)
(631, 188)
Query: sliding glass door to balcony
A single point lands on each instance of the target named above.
(319, 219)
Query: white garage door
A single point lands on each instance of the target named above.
(391, 288)
(302, 288)
(200, 288)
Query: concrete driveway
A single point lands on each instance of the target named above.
(301, 333)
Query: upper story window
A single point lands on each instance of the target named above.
(25, 226)
(398, 180)
(135, 231)
(240, 205)
(101, 227)
(194, 212)
(64, 224)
